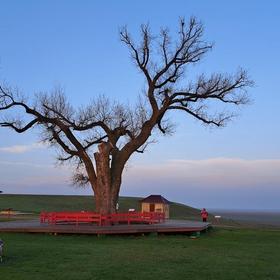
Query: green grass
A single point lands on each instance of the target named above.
(220, 254)
(5, 218)
(37, 203)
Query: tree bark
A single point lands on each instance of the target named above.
(108, 181)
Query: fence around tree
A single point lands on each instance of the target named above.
(54, 218)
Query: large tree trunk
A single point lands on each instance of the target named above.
(107, 186)
(106, 198)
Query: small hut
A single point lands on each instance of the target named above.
(155, 203)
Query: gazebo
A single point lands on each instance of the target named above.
(155, 203)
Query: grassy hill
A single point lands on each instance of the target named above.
(37, 203)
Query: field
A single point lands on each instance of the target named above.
(227, 253)
(37, 203)
(262, 218)
(220, 254)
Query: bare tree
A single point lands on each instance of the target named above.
(101, 137)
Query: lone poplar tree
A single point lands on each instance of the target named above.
(101, 137)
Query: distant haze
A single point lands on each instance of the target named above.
(214, 183)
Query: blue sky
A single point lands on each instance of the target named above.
(75, 44)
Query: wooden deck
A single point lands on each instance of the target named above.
(169, 226)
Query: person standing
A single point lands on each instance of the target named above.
(204, 215)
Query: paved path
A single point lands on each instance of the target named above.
(170, 226)
(20, 223)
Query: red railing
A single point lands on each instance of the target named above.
(136, 217)
(92, 217)
(70, 217)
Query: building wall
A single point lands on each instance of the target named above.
(166, 211)
(159, 207)
(145, 207)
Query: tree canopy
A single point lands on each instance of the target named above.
(101, 137)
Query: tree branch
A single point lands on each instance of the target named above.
(19, 129)
(219, 87)
(202, 116)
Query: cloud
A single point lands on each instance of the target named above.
(20, 149)
(214, 172)
(24, 164)
(232, 183)
(215, 182)
(28, 175)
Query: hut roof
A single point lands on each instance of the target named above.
(155, 199)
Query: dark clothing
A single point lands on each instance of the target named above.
(1, 249)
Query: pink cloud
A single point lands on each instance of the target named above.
(218, 172)
(19, 149)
